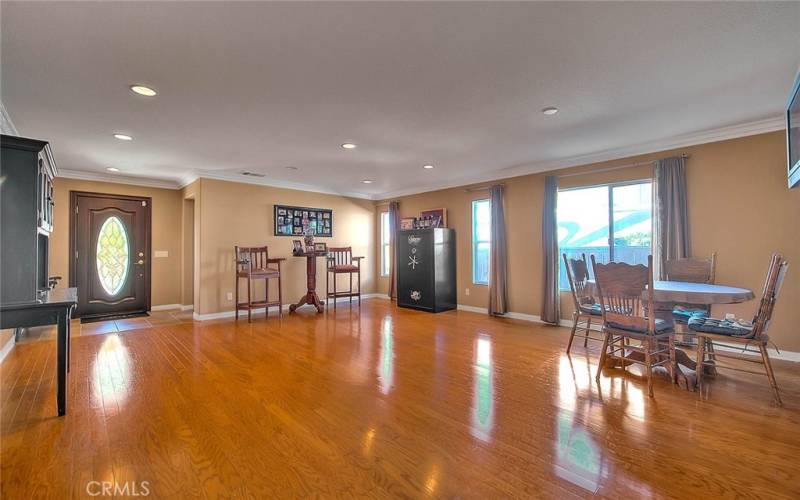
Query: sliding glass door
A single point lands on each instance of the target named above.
(613, 222)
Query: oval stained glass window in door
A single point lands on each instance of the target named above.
(112, 255)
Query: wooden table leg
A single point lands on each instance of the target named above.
(61, 362)
(311, 296)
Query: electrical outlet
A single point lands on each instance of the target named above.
(229, 295)
(466, 291)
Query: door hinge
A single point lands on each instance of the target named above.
(76, 255)
(76, 208)
(144, 203)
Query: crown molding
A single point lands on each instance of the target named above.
(117, 179)
(666, 144)
(236, 177)
(680, 141)
(188, 179)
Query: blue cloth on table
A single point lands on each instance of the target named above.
(684, 315)
(593, 309)
(719, 326)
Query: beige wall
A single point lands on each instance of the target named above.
(242, 214)
(187, 253)
(739, 207)
(166, 224)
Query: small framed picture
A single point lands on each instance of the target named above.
(435, 217)
(297, 247)
(320, 247)
(407, 223)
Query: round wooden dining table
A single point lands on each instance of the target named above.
(698, 293)
(667, 293)
(692, 293)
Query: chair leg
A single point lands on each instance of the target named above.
(334, 291)
(701, 348)
(266, 298)
(588, 329)
(602, 357)
(280, 298)
(249, 302)
(648, 362)
(236, 295)
(572, 333)
(327, 285)
(359, 288)
(351, 287)
(770, 374)
(673, 360)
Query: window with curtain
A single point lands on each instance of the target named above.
(481, 235)
(613, 222)
(386, 250)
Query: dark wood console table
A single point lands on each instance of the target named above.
(54, 307)
(311, 296)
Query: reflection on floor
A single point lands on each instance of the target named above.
(379, 402)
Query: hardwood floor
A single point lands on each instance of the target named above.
(381, 402)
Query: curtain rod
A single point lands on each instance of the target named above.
(611, 169)
(483, 188)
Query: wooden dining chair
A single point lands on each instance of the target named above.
(620, 287)
(253, 263)
(341, 261)
(690, 270)
(584, 304)
(710, 331)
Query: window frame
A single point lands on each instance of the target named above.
(385, 266)
(610, 240)
(475, 242)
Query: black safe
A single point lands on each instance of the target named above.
(426, 269)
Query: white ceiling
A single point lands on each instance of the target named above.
(262, 86)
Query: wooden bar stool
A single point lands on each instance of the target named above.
(340, 261)
(253, 263)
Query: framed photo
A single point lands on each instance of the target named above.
(297, 247)
(293, 221)
(407, 223)
(320, 246)
(435, 217)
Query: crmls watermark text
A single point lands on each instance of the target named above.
(115, 489)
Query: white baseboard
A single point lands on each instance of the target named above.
(165, 307)
(173, 307)
(231, 314)
(773, 353)
(9, 345)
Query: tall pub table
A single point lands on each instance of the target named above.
(311, 296)
(53, 307)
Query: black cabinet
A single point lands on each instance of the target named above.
(27, 170)
(426, 269)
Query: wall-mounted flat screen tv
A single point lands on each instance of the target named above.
(793, 133)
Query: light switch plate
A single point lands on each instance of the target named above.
(161, 253)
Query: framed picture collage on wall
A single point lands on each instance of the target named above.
(296, 221)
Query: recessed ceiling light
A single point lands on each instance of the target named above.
(142, 90)
(112, 169)
(291, 168)
(123, 137)
(349, 145)
(367, 181)
(427, 167)
(550, 110)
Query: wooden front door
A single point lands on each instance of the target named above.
(110, 253)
